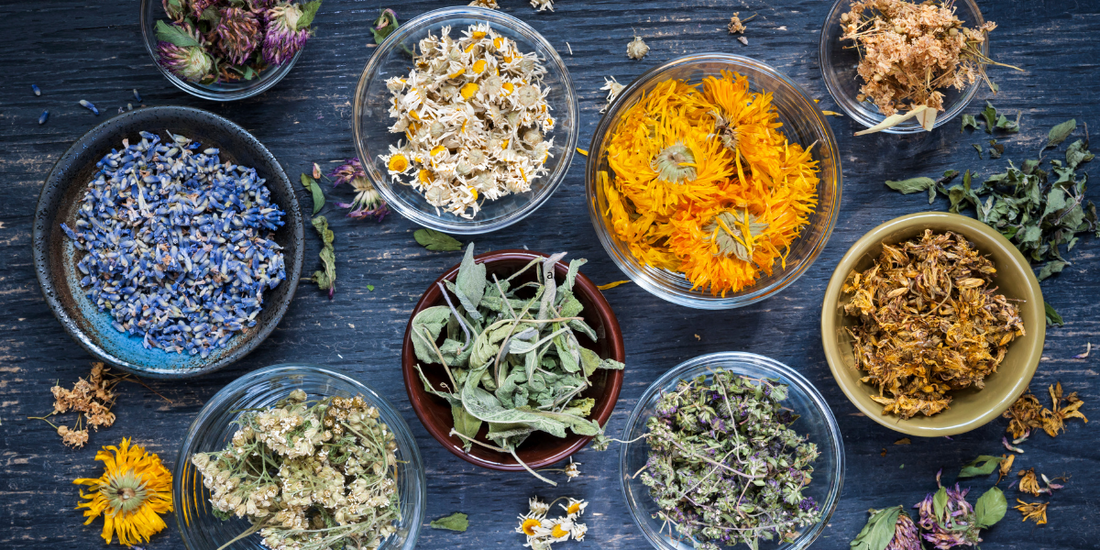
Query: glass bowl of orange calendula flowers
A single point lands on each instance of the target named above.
(713, 181)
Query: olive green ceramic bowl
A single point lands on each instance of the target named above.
(969, 408)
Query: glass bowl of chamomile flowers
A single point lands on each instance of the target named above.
(465, 120)
(922, 53)
(753, 439)
(299, 456)
(225, 50)
(713, 181)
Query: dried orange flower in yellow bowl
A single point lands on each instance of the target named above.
(702, 183)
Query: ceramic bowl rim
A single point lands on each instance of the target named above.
(54, 186)
(415, 390)
(965, 226)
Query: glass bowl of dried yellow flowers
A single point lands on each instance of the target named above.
(298, 456)
(744, 432)
(713, 181)
(930, 53)
(465, 119)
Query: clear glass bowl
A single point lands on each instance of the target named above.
(153, 10)
(372, 120)
(803, 123)
(838, 60)
(213, 429)
(816, 421)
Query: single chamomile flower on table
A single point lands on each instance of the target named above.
(572, 470)
(531, 524)
(574, 507)
(578, 531)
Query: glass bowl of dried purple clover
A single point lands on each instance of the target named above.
(731, 448)
(226, 50)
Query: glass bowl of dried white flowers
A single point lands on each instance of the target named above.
(465, 120)
(298, 456)
(754, 441)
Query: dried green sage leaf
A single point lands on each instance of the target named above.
(454, 522)
(434, 240)
(1052, 316)
(911, 185)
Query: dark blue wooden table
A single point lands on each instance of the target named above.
(82, 50)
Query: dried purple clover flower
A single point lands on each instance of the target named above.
(906, 534)
(284, 37)
(237, 34)
(176, 10)
(368, 202)
(182, 52)
(954, 525)
(199, 6)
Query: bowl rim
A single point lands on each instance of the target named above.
(221, 397)
(54, 186)
(963, 225)
(908, 127)
(462, 226)
(836, 440)
(262, 84)
(415, 390)
(698, 299)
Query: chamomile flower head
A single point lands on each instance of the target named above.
(572, 470)
(531, 524)
(578, 531)
(538, 508)
(561, 529)
(574, 508)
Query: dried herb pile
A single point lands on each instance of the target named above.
(725, 466)
(929, 322)
(511, 354)
(909, 52)
(318, 476)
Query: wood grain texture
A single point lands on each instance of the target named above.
(81, 50)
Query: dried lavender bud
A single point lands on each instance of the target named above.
(137, 96)
(237, 34)
(43, 117)
(36, 90)
(729, 440)
(88, 105)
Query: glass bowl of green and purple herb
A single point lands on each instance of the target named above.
(753, 440)
(225, 50)
(347, 475)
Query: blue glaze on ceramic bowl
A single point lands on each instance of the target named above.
(55, 257)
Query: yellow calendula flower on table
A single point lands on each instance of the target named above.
(133, 492)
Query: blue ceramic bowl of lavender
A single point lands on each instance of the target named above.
(815, 422)
(56, 258)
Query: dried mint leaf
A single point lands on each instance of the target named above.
(309, 11)
(990, 116)
(454, 522)
(939, 504)
(981, 466)
(968, 121)
(1052, 316)
(879, 530)
(1050, 268)
(1010, 126)
(911, 185)
(990, 508)
(977, 148)
(174, 35)
(325, 279)
(434, 240)
(315, 190)
(1059, 133)
(995, 149)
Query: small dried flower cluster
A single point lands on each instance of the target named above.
(489, 4)
(1027, 414)
(754, 492)
(475, 115)
(368, 203)
(541, 5)
(315, 476)
(910, 51)
(1029, 483)
(951, 524)
(211, 41)
(91, 399)
(637, 48)
(929, 322)
(542, 532)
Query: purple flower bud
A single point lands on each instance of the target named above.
(187, 62)
(906, 535)
(237, 34)
(283, 39)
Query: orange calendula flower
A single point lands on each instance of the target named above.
(703, 184)
(1035, 511)
(134, 490)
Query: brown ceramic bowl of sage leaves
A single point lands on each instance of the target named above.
(516, 383)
